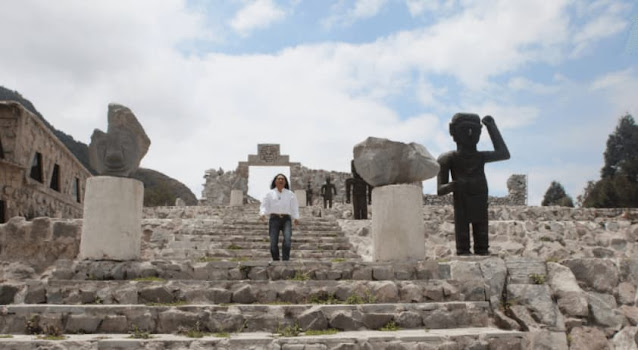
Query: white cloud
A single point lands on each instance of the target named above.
(525, 84)
(257, 14)
(620, 90)
(362, 9)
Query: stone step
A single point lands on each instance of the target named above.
(293, 291)
(22, 319)
(264, 233)
(261, 245)
(259, 270)
(459, 338)
(252, 254)
(298, 238)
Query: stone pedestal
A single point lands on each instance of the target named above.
(112, 225)
(398, 233)
(301, 198)
(236, 198)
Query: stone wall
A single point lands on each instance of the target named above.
(219, 184)
(516, 188)
(23, 135)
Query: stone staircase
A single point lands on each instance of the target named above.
(207, 272)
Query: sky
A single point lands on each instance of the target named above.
(209, 80)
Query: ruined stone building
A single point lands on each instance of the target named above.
(39, 176)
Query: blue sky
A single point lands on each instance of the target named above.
(209, 80)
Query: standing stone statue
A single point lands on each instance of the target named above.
(327, 190)
(466, 165)
(118, 152)
(361, 194)
(309, 194)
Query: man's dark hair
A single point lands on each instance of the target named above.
(272, 185)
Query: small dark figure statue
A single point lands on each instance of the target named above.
(327, 190)
(469, 184)
(309, 194)
(361, 194)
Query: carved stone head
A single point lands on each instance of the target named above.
(118, 152)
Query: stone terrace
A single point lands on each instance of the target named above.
(208, 269)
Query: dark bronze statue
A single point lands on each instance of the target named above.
(361, 194)
(309, 194)
(327, 190)
(466, 165)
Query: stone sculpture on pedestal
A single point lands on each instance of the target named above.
(361, 194)
(111, 228)
(327, 191)
(469, 185)
(396, 170)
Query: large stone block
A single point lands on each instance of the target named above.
(112, 227)
(397, 223)
(236, 198)
(383, 162)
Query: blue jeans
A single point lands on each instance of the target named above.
(276, 224)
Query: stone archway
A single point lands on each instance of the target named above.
(268, 155)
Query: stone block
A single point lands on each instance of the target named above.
(112, 222)
(82, 324)
(236, 198)
(301, 198)
(312, 318)
(397, 223)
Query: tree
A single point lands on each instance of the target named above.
(556, 195)
(621, 155)
(618, 186)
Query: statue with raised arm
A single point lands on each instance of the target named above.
(327, 191)
(469, 184)
(118, 152)
(361, 194)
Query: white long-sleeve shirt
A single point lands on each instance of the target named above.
(284, 202)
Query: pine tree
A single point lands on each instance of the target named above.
(618, 186)
(556, 195)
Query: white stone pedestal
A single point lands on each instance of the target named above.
(112, 225)
(236, 198)
(398, 232)
(301, 198)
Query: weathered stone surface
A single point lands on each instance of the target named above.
(599, 274)
(538, 300)
(626, 293)
(631, 313)
(383, 162)
(7, 293)
(376, 320)
(588, 338)
(603, 310)
(171, 320)
(114, 324)
(82, 324)
(343, 320)
(156, 294)
(312, 318)
(409, 319)
(494, 273)
(244, 295)
(386, 292)
(625, 339)
(572, 300)
(545, 340)
(504, 322)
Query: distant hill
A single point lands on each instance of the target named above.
(159, 189)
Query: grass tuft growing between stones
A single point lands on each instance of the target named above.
(300, 276)
(5, 336)
(51, 337)
(538, 278)
(208, 259)
(222, 335)
(137, 333)
(289, 331)
(338, 260)
(234, 247)
(390, 327)
(193, 333)
(321, 331)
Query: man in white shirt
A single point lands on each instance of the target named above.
(280, 204)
